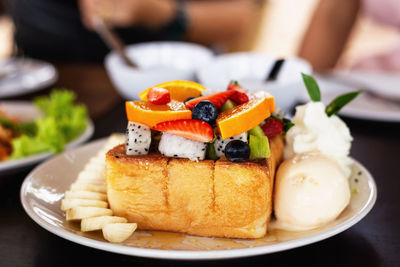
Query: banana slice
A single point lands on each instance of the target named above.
(92, 174)
(70, 203)
(79, 213)
(91, 182)
(118, 232)
(89, 187)
(81, 194)
(97, 223)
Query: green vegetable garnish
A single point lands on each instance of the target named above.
(259, 144)
(227, 105)
(339, 102)
(312, 87)
(210, 153)
(62, 122)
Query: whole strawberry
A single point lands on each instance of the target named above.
(272, 127)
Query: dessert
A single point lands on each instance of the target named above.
(312, 185)
(311, 189)
(206, 166)
(209, 175)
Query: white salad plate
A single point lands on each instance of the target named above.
(20, 76)
(365, 106)
(44, 187)
(25, 111)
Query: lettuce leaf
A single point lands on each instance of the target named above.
(62, 122)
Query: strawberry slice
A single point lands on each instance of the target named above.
(192, 129)
(240, 96)
(272, 127)
(217, 99)
(158, 96)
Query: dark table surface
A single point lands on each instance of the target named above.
(375, 241)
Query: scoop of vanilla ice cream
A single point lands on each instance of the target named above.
(313, 130)
(311, 189)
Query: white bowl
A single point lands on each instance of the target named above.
(251, 70)
(158, 62)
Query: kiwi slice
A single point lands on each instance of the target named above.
(227, 105)
(259, 144)
(257, 131)
(210, 152)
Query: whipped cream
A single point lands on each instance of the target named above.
(314, 131)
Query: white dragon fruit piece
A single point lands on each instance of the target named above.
(138, 139)
(220, 144)
(172, 145)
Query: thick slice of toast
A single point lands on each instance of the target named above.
(206, 198)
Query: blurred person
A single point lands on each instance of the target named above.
(331, 26)
(61, 30)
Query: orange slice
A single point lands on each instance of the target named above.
(246, 116)
(150, 114)
(179, 90)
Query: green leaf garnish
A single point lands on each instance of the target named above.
(287, 124)
(339, 102)
(312, 87)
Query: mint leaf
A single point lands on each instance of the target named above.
(287, 124)
(339, 102)
(312, 88)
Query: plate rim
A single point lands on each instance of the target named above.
(41, 86)
(7, 166)
(197, 255)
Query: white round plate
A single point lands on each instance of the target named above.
(44, 188)
(381, 82)
(26, 111)
(364, 106)
(20, 76)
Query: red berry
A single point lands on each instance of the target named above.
(272, 127)
(217, 99)
(240, 96)
(158, 96)
(192, 129)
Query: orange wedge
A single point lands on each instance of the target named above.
(150, 114)
(246, 116)
(179, 90)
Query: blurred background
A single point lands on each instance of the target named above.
(280, 32)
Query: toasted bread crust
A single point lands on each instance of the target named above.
(206, 198)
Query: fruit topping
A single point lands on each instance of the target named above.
(149, 114)
(179, 90)
(192, 129)
(246, 116)
(258, 143)
(138, 139)
(218, 99)
(158, 96)
(175, 146)
(240, 96)
(220, 144)
(272, 127)
(189, 98)
(227, 105)
(205, 111)
(237, 151)
(210, 153)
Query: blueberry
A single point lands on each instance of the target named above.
(205, 111)
(237, 151)
(189, 98)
